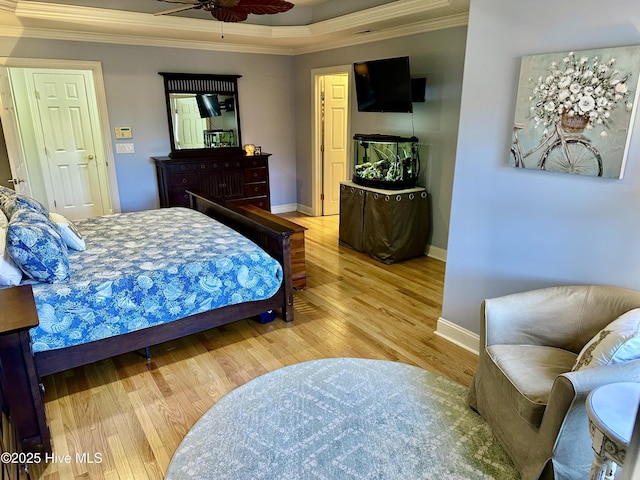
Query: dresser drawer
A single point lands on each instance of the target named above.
(182, 167)
(255, 162)
(180, 198)
(255, 189)
(183, 179)
(261, 202)
(209, 166)
(255, 175)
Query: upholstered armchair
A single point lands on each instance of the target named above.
(526, 386)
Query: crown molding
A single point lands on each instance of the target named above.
(88, 24)
(452, 21)
(117, 39)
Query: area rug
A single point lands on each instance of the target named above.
(342, 418)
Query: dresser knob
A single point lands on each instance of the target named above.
(184, 180)
(255, 174)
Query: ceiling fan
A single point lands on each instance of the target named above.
(231, 10)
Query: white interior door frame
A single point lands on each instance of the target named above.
(316, 130)
(104, 142)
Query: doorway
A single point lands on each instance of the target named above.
(330, 137)
(56, 129)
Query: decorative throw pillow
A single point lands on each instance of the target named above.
(36, 247)
(6, 190)
(16, 202)
(6, 194)
(618, 342)
(69, 232)
(10, 274)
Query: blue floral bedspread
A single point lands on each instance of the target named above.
(146, 268)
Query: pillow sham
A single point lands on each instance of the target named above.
(618, 342)
(12, 204)
(68, 231)
(36, 247)
(5, 195)
(10, 274)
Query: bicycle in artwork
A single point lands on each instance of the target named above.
(562, 151)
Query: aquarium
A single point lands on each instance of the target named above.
(385, 161)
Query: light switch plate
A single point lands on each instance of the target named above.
(125, 148)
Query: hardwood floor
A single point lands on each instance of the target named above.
(128, 415)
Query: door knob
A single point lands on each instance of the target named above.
(15, 181)
(90, 157)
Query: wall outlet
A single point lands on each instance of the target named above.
(124, 148)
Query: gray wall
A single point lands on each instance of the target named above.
(135, 98)
(437, 55)
(514, 230)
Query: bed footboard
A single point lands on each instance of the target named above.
(272, 237)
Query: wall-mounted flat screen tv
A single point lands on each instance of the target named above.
(383, 85)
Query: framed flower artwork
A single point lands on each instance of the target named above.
(575, 110)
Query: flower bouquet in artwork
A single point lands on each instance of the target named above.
(579, 92)
(574, 111)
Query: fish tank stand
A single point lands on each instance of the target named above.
(389, 225)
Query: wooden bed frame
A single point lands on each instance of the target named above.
(20, 369)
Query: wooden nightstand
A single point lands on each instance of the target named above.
(18, 379)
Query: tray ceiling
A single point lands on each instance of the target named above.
(312, 25)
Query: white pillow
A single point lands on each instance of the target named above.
(618, 342)
(68, 231)
(10, 274)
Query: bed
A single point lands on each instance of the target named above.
(143, 279)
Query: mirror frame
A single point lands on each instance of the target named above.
(200, 83)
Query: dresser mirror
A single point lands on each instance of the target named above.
(203, 113)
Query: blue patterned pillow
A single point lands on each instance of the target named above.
(36, 247)
(6, 194)
(12, 203)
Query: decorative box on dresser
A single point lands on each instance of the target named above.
(230, 178)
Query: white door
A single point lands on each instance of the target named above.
(335, 142)
(11, 129)
(76, 179)
(190, 131)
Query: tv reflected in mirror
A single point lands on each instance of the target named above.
(203, 113)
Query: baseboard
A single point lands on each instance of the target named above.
(458, 335)
(436, 252)
(304, 209)
(286, 208)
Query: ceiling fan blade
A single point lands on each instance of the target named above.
(178, 9)
(229, 15)
(263, 7)
(227, 3)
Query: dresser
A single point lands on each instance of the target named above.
(231, 178)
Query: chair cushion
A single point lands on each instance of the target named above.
(618, 342)
(528, 373)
